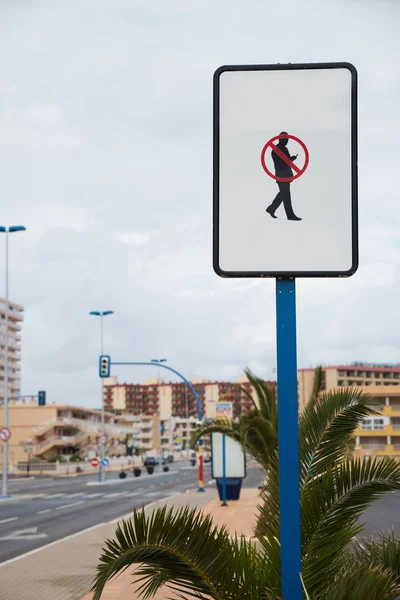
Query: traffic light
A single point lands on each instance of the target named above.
(104, 366)
(42, 398)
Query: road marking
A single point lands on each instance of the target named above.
(152, 494)
(24, 534)
(55, 495)
(210, 482)
(41, 512)
(8, 520)
(114, 495)
(69, 505)
(73, 535)
(92, 495)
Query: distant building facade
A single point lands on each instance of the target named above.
(357, 374)
(15, 318)
(56, 430)
(156, 397)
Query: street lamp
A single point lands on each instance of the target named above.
(7, 230)
(102, 314)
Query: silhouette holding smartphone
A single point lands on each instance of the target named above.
(283, 169)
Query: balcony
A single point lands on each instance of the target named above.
(391, 410)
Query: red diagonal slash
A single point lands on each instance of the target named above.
(285, 158)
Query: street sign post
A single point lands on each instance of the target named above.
(285, 206)
(224, 410)
(105, 462)
(5, 434)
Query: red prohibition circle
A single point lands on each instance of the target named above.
(271, 145)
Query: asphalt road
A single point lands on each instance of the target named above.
(382, 516)
(45, 510)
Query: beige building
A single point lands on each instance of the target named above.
(157, 397)
(357, 374)
(15, 318)
(60, 430)
(380, 435)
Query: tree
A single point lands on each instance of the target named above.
(183, 550)
(257, 430)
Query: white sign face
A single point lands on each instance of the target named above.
(235, 462)
(223, 409)
(285, 170)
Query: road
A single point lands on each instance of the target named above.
(382, 516)
(50, 509)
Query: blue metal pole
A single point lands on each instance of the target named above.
(289, 486)
(224, 471)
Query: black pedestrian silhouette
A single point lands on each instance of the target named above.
(282, 169)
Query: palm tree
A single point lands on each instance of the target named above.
(183, 550)
(257, 430)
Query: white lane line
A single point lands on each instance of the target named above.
(114, 495)
(92, 495)
(55, 495)
(69, 505)
(151, 494)
(8, 520)
(41, 512)
(69, 537)
(210, 482)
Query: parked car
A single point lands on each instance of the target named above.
(170, 458)
(149, 461)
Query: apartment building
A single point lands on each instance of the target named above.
(357, 374)
(61, 430)
(144, 430)
(156, 397)
(15, 318)
(380, 435)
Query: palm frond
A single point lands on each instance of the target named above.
(266, 397)
(355, 582)
(383, 552)
(317, 386)
(331, 505)
(227, 427)
(185, 551)
(326, 429)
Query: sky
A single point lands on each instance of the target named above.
(106, 159)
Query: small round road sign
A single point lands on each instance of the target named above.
(94, 462)
(105, 462)
(5, 434)
(103, 439)
(278, 151)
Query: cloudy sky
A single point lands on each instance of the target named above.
(106, 158)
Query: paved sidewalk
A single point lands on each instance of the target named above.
(64, 570)
(238, 517)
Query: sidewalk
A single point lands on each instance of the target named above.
(64, 570)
